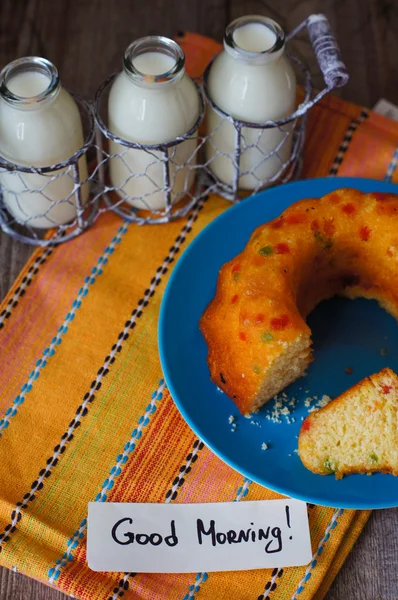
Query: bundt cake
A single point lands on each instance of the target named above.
(355, 433)
(344, 243)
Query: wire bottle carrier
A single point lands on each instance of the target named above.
(176, 205)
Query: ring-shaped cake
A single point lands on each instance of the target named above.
(345, 243)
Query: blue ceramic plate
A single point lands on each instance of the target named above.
(354, 334)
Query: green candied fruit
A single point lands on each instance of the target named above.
(328, 466)
(266, 251)
(267, 337)
(373, 457)
(236, 276)
(326, 242)
(256, 369)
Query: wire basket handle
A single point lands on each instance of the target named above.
(327, 51)
(328, 56)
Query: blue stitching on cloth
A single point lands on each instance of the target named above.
(200, 578)
(332, 524)
(392, 166)
(177, 484)
(107, 485)
(63, 329)
(144, 420)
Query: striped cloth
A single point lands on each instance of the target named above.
(86, 416)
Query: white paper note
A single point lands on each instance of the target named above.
(185, 538)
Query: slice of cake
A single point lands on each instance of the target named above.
(355, 433)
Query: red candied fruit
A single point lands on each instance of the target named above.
(277, 224)
(334, 198)
(282, 248)
(295, 219)
(380, 196)
(279, 323)
(329, 227)
(306, 425)
(386, 388)
(348, 209)
(364, 233)
(234, 299)
(258, 319)
(315, 225)
(236, 268)
(242, 336)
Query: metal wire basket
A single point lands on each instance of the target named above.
(163, 172)
(247, 139)
(20, 185)
(178, 173)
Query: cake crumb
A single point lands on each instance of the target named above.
(264, 446)
(296, 451)
(383, 351)
(348, 370)
(231, 419)
(281, 409)
(323, 401)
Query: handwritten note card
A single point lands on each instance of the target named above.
(183, 538)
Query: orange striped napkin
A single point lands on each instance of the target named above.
(86, 416)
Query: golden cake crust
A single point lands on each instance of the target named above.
(344, 243)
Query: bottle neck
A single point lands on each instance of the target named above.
(154, 62)
(29, 83)
(254, 40)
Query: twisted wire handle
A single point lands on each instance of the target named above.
(327, 51)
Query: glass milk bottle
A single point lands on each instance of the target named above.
(152, 101)
(40, 126)
(251, 80)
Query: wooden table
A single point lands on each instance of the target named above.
(86, 38)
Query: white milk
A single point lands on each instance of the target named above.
(153, 63)
(252, 81)
(152, 101)
(40, 125)
(28, 84)
(254, 37)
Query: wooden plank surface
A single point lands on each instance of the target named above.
(85, 39)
